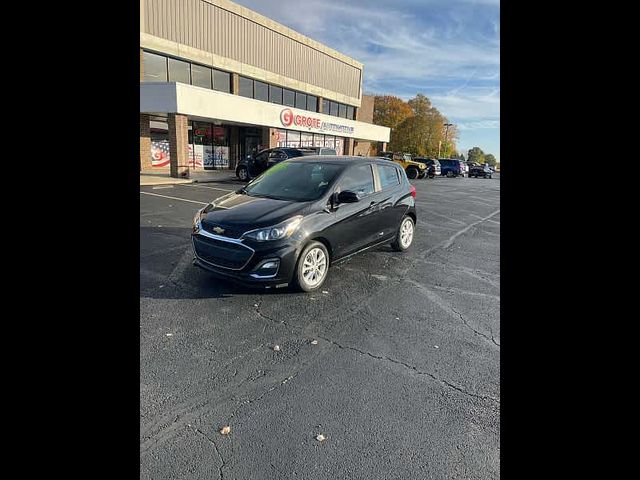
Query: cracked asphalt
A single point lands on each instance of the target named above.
(404, 381)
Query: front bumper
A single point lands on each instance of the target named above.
(240, 261)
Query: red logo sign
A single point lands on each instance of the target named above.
(286, 117)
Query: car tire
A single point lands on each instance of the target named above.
(312, 257)
(404, 238)
(412, 173)
(489, 177)
(243, 174)
(449, 174)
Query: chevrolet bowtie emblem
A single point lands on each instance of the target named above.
(218, 230)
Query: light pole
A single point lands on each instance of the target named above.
(446, 133)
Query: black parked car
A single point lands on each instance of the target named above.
(253, 166)
(480, 170)
(289, 224)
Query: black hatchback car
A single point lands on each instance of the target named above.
(253, 166)
(289, 224)
(480, 170)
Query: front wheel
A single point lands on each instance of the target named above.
(412, 173)
(312, 268)
(404, 236)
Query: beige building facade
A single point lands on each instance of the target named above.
(219, 82)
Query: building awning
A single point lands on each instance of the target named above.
(205, 104)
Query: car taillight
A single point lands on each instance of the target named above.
(412, 190)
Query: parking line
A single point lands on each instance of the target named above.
(173, 198)
(209, 188)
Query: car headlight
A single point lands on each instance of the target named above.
(196, 221)
(275, 232)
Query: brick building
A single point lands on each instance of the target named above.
(219, 82)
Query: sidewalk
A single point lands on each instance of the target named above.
(198, 176)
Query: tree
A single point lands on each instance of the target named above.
(476, 155)
(421, 105)
(412, 136)
(450, 136)
(490, 160)
(390, 111)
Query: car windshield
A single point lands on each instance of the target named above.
(297, 181)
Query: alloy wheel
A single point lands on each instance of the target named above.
(314, 267)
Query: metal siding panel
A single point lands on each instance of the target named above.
(208, 27)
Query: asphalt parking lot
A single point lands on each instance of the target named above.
(404, 381)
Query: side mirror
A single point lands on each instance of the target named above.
(348, 197)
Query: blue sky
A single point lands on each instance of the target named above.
(448, 50)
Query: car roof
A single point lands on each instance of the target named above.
(341, 159)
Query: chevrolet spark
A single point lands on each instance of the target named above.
(287, 226)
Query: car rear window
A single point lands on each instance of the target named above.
(389, 177)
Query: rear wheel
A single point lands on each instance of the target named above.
(312, 268)
(404, 236)
(243, 174)
(412, 173)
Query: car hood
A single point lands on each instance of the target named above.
(247, 212)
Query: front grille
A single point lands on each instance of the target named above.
(228, 231)
(220, 253)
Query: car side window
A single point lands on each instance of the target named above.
(358, 179)
(388, 176)
(277, 154)
(262, 157)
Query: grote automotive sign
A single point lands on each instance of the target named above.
(288, 118)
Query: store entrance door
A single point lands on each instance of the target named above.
(250, 141)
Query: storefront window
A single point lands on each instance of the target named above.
(261, 91)
(293, 139)
(334, 109)
(339, 145)
(306, 139)
(312, 103)
(325, 106)
(342, 110)
(203, 144)
(220, 147)
(179, 71)
(288, 97)
(330, 141)
(200, 76)
(301, 100)
(318, 140)
(275, 94)
(350, 112)
(281, 138)
(155, 67)
(246, 87)
(159, 133)
(221, 81)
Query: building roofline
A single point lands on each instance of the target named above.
(280, 28)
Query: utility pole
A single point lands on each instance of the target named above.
(446, 133)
